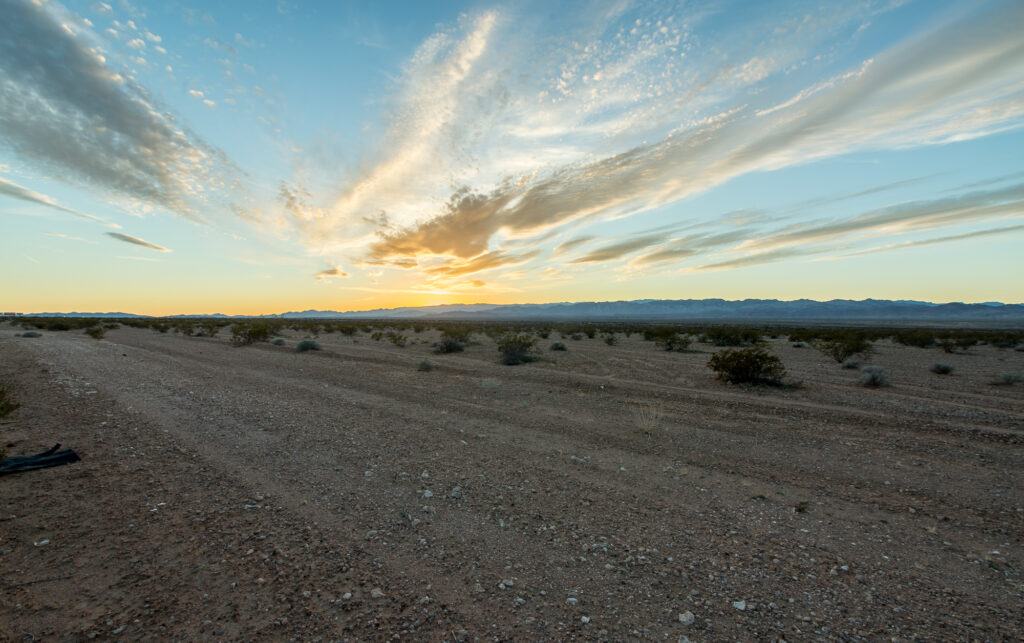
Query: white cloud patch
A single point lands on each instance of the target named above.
(64, 110)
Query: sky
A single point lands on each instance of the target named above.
(270, 156)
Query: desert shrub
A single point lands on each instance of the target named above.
(919, 337)
(207, 329)
(799, 345)
(843, 347)
(452, 341)
(668, 338)
(245, 333)
(307, 345)
(576, 337)
(377, 335)
(610, 339)
(590, 332)
(1007, 379)
(732, 336)
(873, 377)
(515, 348)
(397, 338)
(544, 333)
(747, 366)
(851, 364)
(425, 365)
(31, 333)
(96, 332)
(942, 369)
(278, 341)
(558, 346)
(7, 405)
(111, 326)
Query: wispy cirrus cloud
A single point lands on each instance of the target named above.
(13, 190)
(65, 109)
(127, 238)
(637, 114)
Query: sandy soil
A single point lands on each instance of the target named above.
(611, 493)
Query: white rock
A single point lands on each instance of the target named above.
(686, 618)
(376, 592)
(585, 619)
(572, 600)
(740, 605)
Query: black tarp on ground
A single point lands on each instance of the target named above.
(49, 458)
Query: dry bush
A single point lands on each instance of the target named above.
(747, 366)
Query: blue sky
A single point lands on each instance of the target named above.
(258, 157)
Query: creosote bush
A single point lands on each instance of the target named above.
(278, 341)
(31, 333)
(747, 366)
(874, 377)
(515, 348)
(558, 346)
(942, 369)
(245, 333)
(843, 348)
(96, 332)
(307, 345)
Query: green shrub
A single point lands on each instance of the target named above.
(1007, 379)
(448, 345)
(610, 339)
(590, 332)
(942, 369)
(732, 336)
(245, 333)
(307, 345)
(558, 346)
(397, 338)
(425, 365)
(747, 366)
(96, 332)
(919, 337)
(31, 333)
(576, 337)
(844, 347)
(278, 341)
(515, 348)
(874, 377)
(668, 338)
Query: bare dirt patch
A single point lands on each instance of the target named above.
(610, 492)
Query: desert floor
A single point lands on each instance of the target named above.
(612, 492)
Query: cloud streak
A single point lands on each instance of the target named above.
(127, 238)
(15, 191)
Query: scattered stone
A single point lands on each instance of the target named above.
(376, 592)
(585, 619)
(578, 459)
(427, 494)
(687, 618)
(346, 596)
(572, 600)
(740, 605)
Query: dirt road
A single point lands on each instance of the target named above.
(614, 492)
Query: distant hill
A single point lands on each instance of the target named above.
(712, 310)
(836, 310)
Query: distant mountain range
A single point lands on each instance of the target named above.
(721, 310)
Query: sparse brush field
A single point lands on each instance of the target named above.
(231, 488)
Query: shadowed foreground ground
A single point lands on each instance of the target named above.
(617, 491)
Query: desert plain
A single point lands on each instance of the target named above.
(604, 493)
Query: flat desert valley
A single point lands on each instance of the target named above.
(605, 493)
